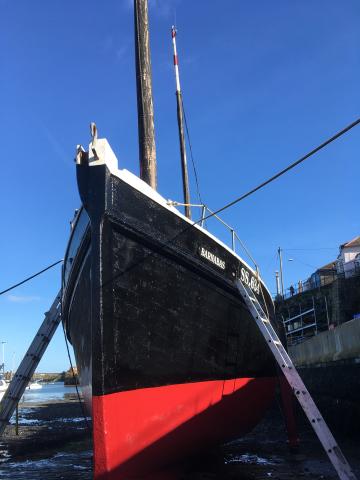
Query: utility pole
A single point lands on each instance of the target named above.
(277, 284)
(180, 118)
(147, 149)
(13, 365)
(281, 272)
(3, 356)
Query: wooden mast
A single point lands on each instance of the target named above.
(147, 149)
(180, 117)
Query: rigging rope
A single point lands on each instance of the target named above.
(31, 277)
(285, 170)
(76, 382)
(191, 151)
(237, 200)
(187, 228)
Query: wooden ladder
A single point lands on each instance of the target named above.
(293, 378)
(29, 363)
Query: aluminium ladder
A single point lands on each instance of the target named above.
(29, 363)
(322, 431)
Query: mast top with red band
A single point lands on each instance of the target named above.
(180, 115)
(176, 61)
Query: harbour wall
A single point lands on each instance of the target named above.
(329, 364)
(335, 302)
(341, 343)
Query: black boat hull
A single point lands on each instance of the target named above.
(168, 354)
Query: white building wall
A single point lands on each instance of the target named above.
(350, 253)
(347, 261)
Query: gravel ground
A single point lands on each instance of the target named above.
(55, 443)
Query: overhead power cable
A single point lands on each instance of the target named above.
(306, 264)
(285, 170)
(32, 276)
(309, 249)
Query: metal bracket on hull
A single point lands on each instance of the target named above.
(29, 363)
(322, 431)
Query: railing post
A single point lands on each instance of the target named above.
(203, 212)
(17, 420)
(316, 329)
(327, 312)
(233, 239)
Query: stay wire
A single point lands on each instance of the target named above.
(31, 277)
(285, 170)
(274, 177)
(237, 200)
(242, 197)
(66, 342)
(191, 151)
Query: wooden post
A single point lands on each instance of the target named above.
(147, 150)
(17, 420)
(287, 403)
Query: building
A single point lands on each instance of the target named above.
(321, 325)
(325, 300)
(322, 276)
(348, 261)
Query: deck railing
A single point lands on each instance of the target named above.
(313, 283)
(206, 213)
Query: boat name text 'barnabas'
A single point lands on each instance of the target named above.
(213, 258)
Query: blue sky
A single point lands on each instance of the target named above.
(263, 83)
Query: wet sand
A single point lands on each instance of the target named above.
(55, 443)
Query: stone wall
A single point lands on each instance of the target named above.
(335, 303)
(341, 343)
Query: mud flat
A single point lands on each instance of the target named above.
(55, 443)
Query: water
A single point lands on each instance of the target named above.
(51, 411)
(248, 459)
(62, 465)
(49, 392)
